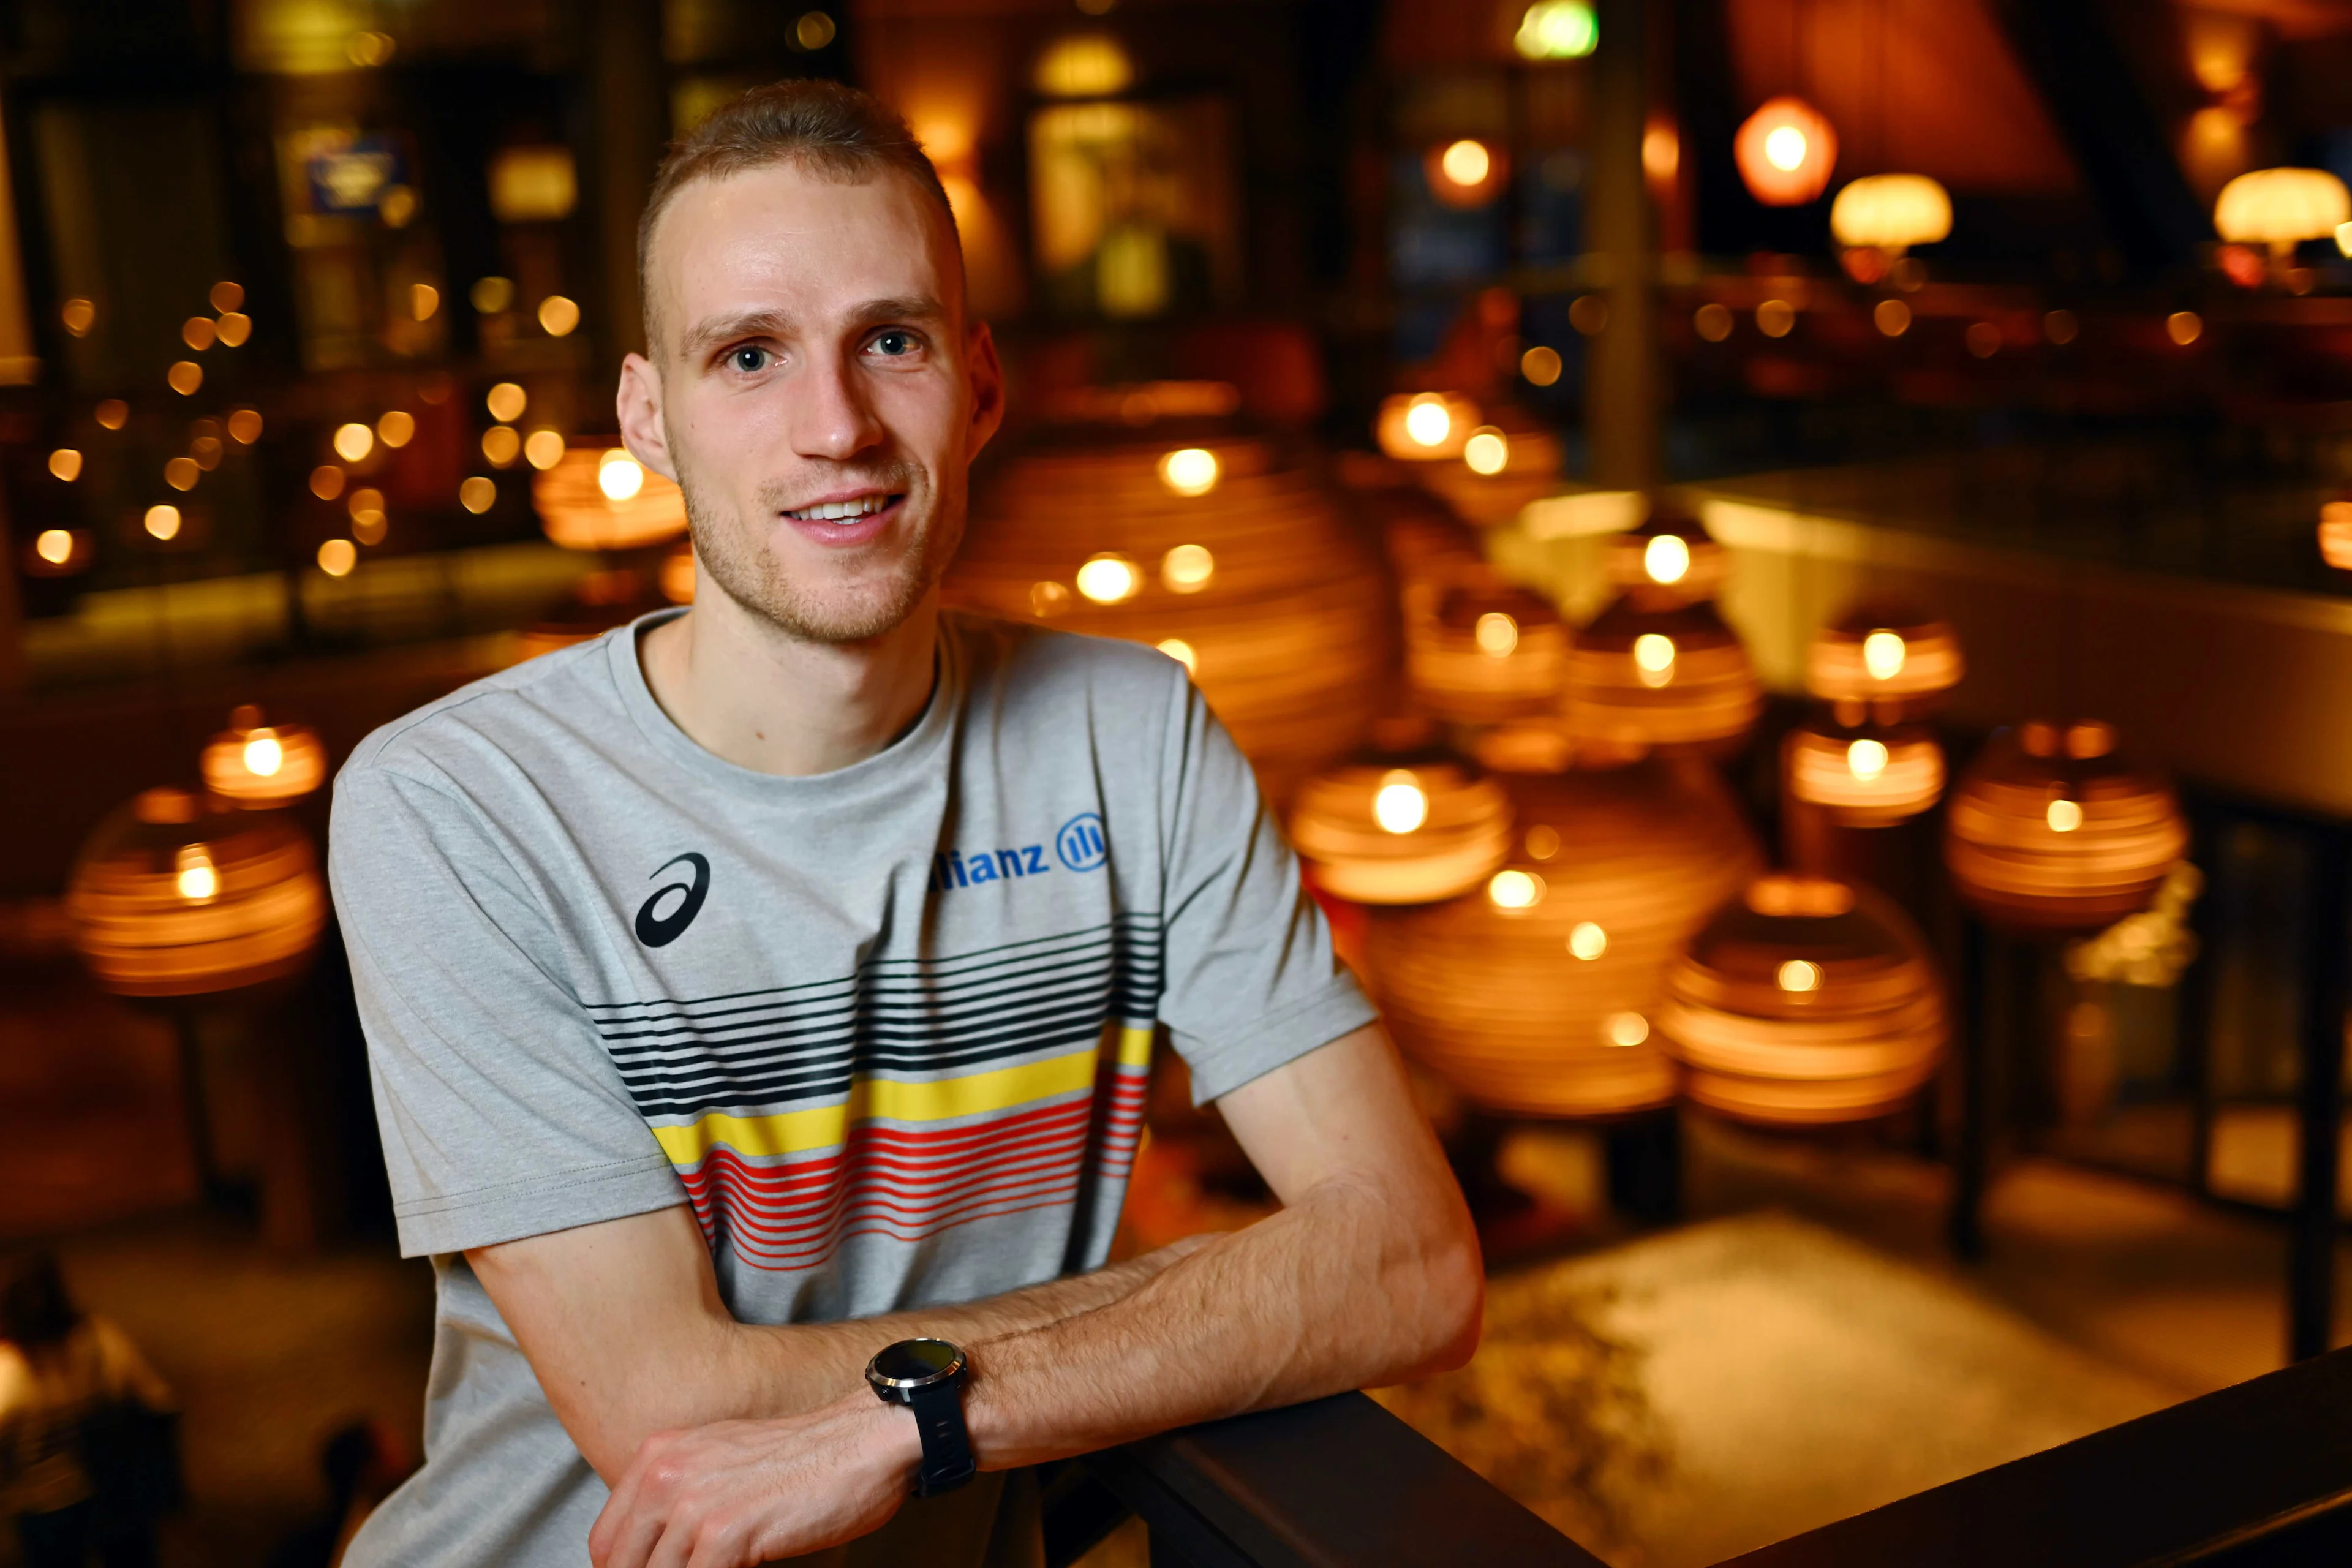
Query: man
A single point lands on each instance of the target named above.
(708, 1063)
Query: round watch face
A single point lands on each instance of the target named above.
(915, 1362)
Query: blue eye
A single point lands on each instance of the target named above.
(895, 344)
(749, 361)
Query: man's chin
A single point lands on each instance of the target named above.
(838, 615)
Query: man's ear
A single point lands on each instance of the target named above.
(987, 374)
(639, 404)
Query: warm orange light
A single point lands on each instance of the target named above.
(1187, 568)
(423, 301)
(233, 329)
(197, 333)
(1891, 213)
(1109, 579)
(1465, 162)
(245, 426)
(1514, 890)
(1487, 451)
(396, 428)
(477, 494)
(1541, 366)
(162, 521)
(185, 376)
(1497, 635)
(543, 449)
(2183, 327)
(1182, 652)
(500, 443)
(1189, 470)
(113, 413)
(506, 401)
(66, 464)
(619, 475)
(353, 442)
(54, 545)
(1776, 318)
(1587, 941)
(1712, 321)
(181, 473)
(1891, 316)
(78, 315)
(1785, 152)
(326, 481)
(338, 556)
(2282, 208)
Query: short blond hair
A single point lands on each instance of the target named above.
(825, 126)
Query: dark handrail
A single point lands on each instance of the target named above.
(1334, 1483)
(2260, 1474)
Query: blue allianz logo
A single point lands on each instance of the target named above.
(1080, 842)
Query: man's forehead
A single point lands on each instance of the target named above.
(752, 238)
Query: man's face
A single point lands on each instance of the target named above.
(815, 391)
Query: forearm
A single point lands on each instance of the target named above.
(686, 1361)
(798, 1367)
(1336, 1291)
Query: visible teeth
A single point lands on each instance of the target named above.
(834, 511)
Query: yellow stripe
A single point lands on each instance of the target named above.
(1134, 1045)
(823, 1126)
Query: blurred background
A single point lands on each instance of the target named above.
(1784, 562)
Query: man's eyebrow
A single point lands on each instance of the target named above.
(711, 332)
(906, 308)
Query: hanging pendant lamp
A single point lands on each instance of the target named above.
(1670, 560)
(1489, 654)
(1641, 677)
(1804, 1002)
(1897, 663)
(1535, 993)
(1224, 550)
(1865, 777)
(180, 894)
(2052, 829)
(1407, 831)
(262, 766)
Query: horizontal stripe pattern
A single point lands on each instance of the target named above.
(913, 1097)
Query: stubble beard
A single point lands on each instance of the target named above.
(734, 556)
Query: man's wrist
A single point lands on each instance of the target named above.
(892, 1441)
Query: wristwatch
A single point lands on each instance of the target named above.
(927, 1376)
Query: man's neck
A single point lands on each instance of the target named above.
(755, 696)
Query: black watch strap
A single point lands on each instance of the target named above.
(946, 1447)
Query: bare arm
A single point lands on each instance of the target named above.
(623, 1323)
(1369, 1274)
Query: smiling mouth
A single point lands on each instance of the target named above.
(843, 510)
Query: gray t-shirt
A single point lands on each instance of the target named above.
(887, 1029)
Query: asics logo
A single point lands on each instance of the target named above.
(658, 930)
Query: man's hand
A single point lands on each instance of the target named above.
(737, 1494)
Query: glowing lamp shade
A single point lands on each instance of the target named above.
(1670, 560)
(1804, 1002)
(1867, 778)
(1895, 660)
(1426, 427)
(1640, 678)
(1490, 654)
(1226, 547)
(1534, 993)
(1387, 835)
(2051, 828)
(1891, 213)
(2335, 534)
(260, 765)
(1785, 152)
(2280, 208)
(597, 496)
(176, 895)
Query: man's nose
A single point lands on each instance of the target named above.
(831, 415)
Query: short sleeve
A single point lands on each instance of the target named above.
(1251, 981)
(502, 1115)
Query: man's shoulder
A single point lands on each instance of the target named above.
(566, 688)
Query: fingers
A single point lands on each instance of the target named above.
(629, 1532)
